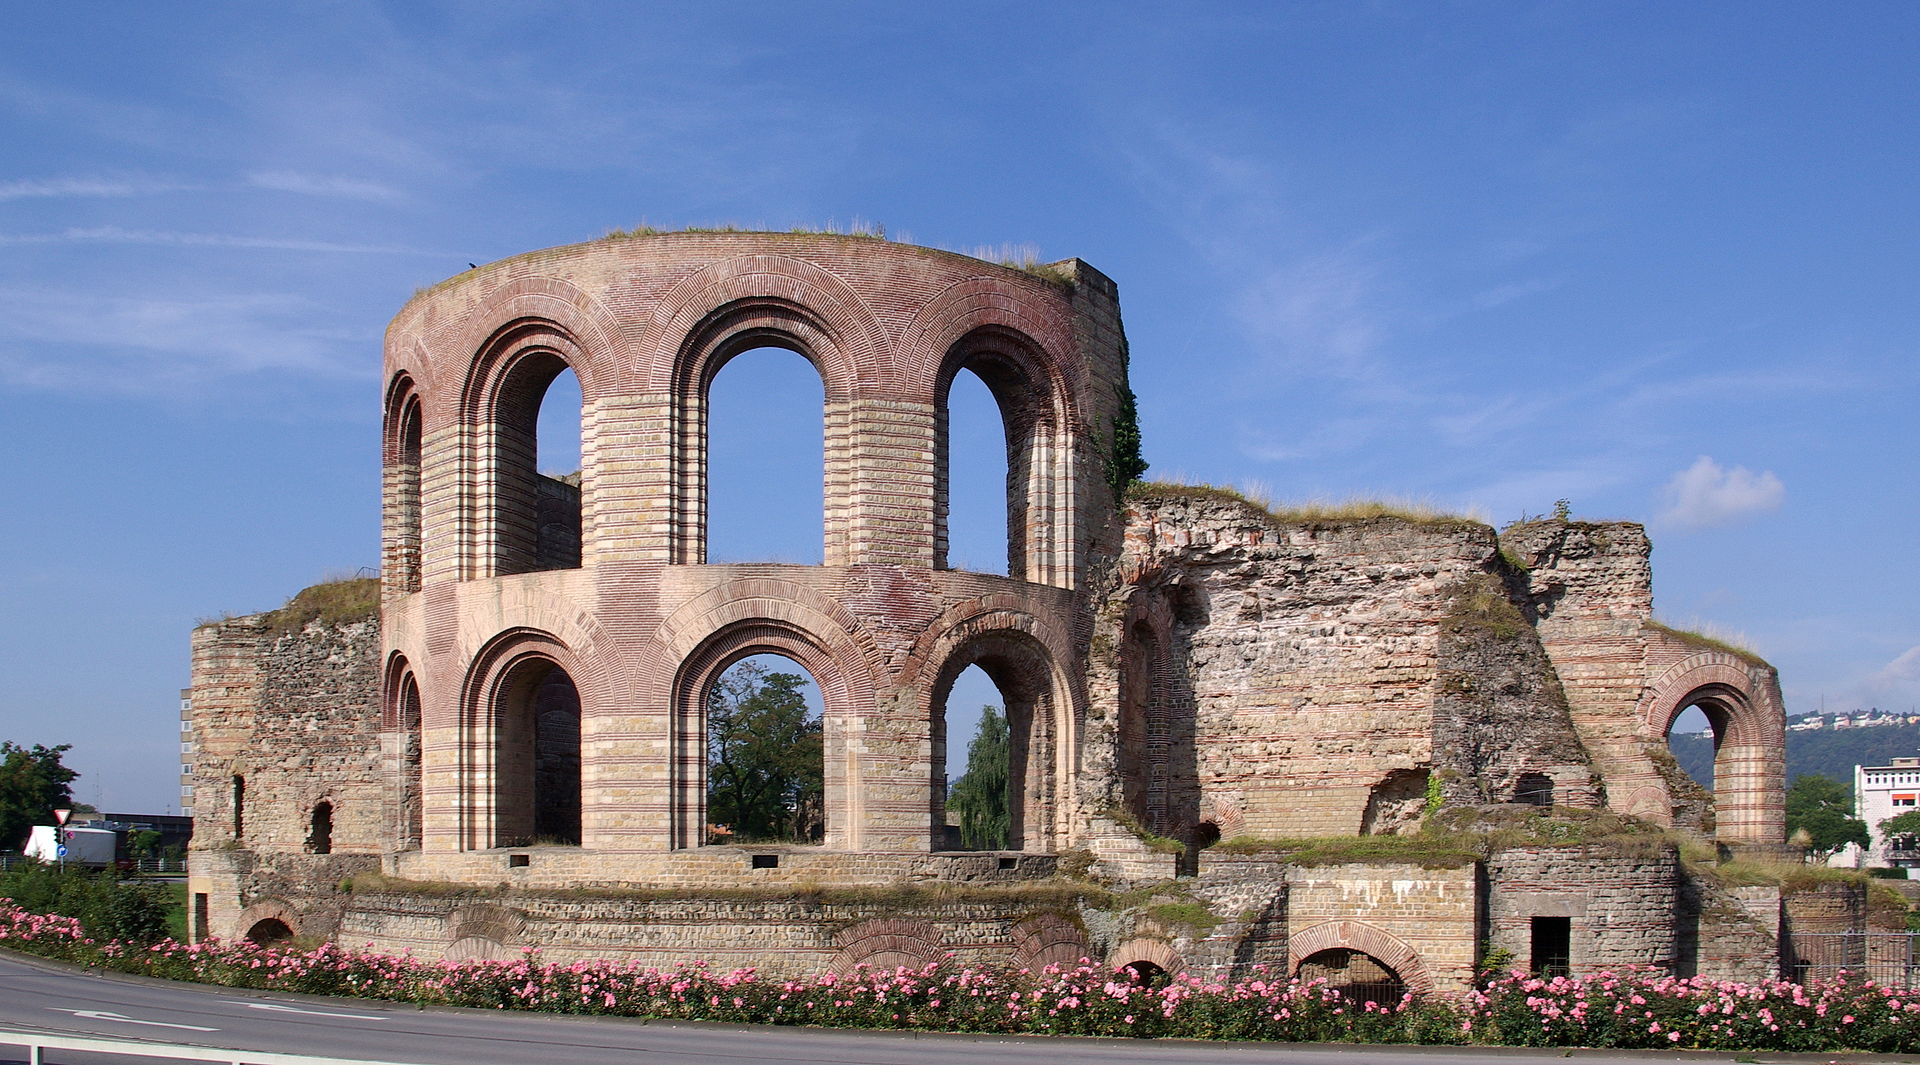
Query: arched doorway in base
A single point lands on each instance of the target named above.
(1356, 975)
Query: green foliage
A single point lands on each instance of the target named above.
(1125, 463)
(330, 603)
(764, 757)
(33, 784)
(1562, 510)
(1434, 795)
(134, 912)
(1823, 808)
(142, 843)
(1908, 822)
(1427, 850)
(980, 795)
(1481, 603)
(1706, 642)
(1313, 512)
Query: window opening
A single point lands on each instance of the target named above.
(557, 459)
(1552, 946)
(973, 479)
(765, 754)
(320, 829)
(270, 931)
(1357, 976)
(973, 748)
(766, 460)
(239, 807)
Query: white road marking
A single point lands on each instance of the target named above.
(103, 1015)
(311, 1013)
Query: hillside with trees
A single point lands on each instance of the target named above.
(1826, 752)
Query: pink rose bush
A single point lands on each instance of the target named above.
(1633, 1009)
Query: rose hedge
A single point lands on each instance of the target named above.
(1638, 1009)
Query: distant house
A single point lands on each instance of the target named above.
(1885, 791)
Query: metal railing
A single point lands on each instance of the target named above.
(160, 866)
(1885, 957)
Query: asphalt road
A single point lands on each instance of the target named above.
(50, 997)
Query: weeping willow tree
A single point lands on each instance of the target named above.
(980, 796)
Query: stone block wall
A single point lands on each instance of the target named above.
(1620, 907)
(287, 722)
(1310, 674)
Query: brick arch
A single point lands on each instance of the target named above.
(1008, 301)
(728, 331)
(500, 664)
(402, 464)
(885, 944)
(840, 667)
(403, 743)
(568, 310)
(487, 921)
(1049, 939)
(269, 909)
(1143, 948)
(1021, 654)
(497, 517)
(691, 324)
(1742, 704)
(1377, 943)
(1037, 412)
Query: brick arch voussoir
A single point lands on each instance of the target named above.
(487, 921)
(1147, 949)
(1037, 315)
(859, 353)
(887, 943)
(604, 354)
(986, 615)
(781, 603)
(491, 663)
(1681, 683)
(560, 620)
(393, 676)
(412, 357)
(1048, 939)
(270, 909)
(1383, 946)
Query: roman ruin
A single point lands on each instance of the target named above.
(1383, 747)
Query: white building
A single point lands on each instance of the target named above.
(1884, 791)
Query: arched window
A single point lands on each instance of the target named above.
(269, 932)
(765, 459)
(403, 478)
(534, 513)
(1009, 368)
(411, 791)
(974, 490)
(765, 754)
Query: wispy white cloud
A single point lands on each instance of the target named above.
(1707, 494)
(1902, 672)
(62, 339)
(330, 186)
(86, 187)
(118, 235)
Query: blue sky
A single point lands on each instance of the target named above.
(1656, 259)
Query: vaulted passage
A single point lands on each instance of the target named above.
(1020, 669)
(976, 491)
(537, 752)
(535, 512)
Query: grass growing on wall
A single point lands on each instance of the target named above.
(330, 603)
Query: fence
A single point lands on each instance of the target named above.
(159, 866)
(1886, 957)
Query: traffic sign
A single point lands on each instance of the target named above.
(61, 852)
(62, 815)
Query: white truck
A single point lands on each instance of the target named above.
(85, 846)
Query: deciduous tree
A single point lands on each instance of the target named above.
(1823, 808)
(764, 769)
(33, 784)
(979, 797)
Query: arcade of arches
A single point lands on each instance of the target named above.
(534, 704)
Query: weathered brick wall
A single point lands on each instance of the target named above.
(1315, 671)
(1620, 906)
(1422, 923)
(294, 715)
